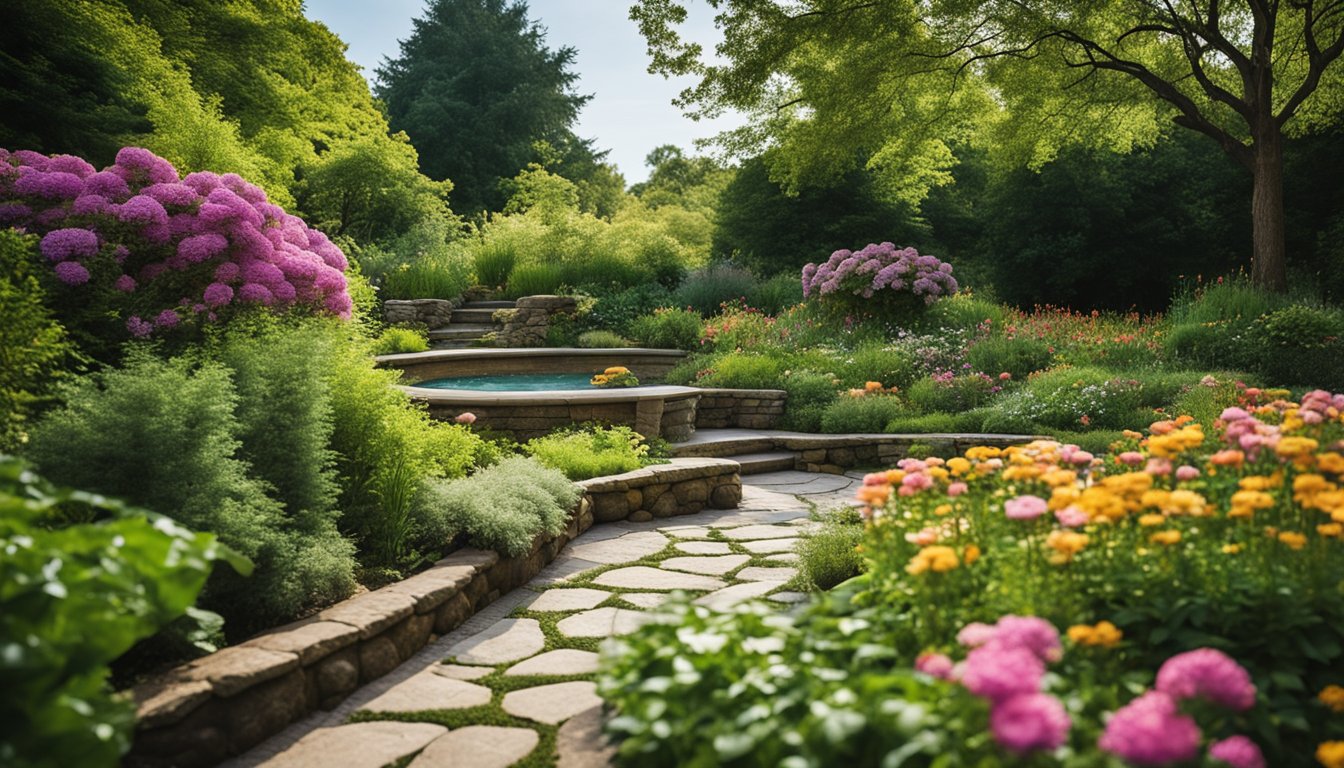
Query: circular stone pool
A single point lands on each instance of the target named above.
(513, 382)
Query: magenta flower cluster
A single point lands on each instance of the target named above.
(1006, 666)
(214, 238)
(880, 267)
(1151, 730)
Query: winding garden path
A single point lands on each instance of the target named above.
(514, 684)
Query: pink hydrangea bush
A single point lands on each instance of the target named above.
(171, 249)
(880, 270)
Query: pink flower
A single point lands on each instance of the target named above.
(1210, 674)
(1071, 517)
(934, 665)
(1234, 414)
(957, 488)
(1034, 634)
(1029, 722)
(139, 328)
(1150, 731)
(1186, 473)
(1238, 752)
(125, 284)
(975, 634)
(1158, 467)
(1005, 376)
(69, 243)
(1132, 458)
(999, 672)
(217, 295)
(1080, 458)
(1025, 507)
(466, 418)
(167, 319)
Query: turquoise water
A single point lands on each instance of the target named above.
(513, 382)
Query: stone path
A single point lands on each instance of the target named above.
(513, 686)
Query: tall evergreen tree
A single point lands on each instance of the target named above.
(474, 87)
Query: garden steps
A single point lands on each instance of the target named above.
(490, 305)
(468, 324)
(473, 315)
(758, 463)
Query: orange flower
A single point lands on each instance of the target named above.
(1293, 539)
(1228, 458)
(872, 386)
(1168, 537)
(1332, 696)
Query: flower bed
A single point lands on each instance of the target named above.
(1197, 576)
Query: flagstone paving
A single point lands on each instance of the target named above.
(514, 684)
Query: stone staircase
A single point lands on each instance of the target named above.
(469, 324)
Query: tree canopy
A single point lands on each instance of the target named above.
(474, 87)
(891, 81)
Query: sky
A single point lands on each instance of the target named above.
(631, 111)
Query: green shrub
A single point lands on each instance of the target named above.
(810, 393)
(605, 271)
(892, 366)
(927, 423)
(442, 275)
(385, 447)
(601, 340)
(745, 371)
(668, 329)
(1301, 345)
(951, 394)
(867, 414)
(493, 261)
(776, 294)
(1223, 344)
(75, 598)
(534, 280)
(706, 289)
(830, 555)
(1010, 416)
(502, 508)
(615, 311)
(964, 312)
(164, 435)
(396, 340)
(33, 345)
(1234, 299)
(1017, 356)
(585, 453)
(1096, 442)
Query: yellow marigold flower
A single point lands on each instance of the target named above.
(1329, 501)
(895, 476)
(1231, 549)
(1294, 446)
(1331, 754)
(1062, 497)
(1293, 539)
(1259, 482)
(1081, 634)
(1156, 498)
(1066, 544)
(1059, 477)
(616, 370)
(1022, 472)
(970, 554)
(1330, 462)
(1311, 483)
(1149, 521)
(1103, 635)
(958, 466)
(1183, 502)
(937, 473)
(1331, 530)
(1252, 500)
(1332, 696)
(942, 509)
(937, 558)
(982, 452)
(1168, 537)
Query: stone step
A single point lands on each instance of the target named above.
(724, 449)
(453, 343)
(461, 331)
(491, 305)
(757, 463)
(473, 315)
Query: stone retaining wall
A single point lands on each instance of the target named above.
(683, 487)
(205, 711)
(743, 408)
(650, 365)
(672, 418)
(430, 313)
(528, 324)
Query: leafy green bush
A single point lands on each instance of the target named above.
(1220, 344)
(604, 270)
(1301, 345)
(75, 598)
(706, 289)
(534, 280)
(963, 311)
(396, 340)
(441, 277)
(926, 423)
(601, 340)
(810, 393)
(830, 555)
(776, 294)
(33, 345)
(948, 393)
(493, 261)
(873, 361)
(164, 435)
(745, 371)
(1234, 299)
(867, 414)
(1018, 356)
(1096, 442)
(615, 311)
(585, 453)
(668, 328)
(502, 508)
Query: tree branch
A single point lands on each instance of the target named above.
(1318, 59)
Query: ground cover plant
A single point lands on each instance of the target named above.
(1041, 605)
(586, 453)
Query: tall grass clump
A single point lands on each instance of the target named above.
(706, 289)
(534, 280)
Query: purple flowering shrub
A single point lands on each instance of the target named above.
(156, 250)
(900, 278)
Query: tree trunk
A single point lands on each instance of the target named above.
(1269, 255)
